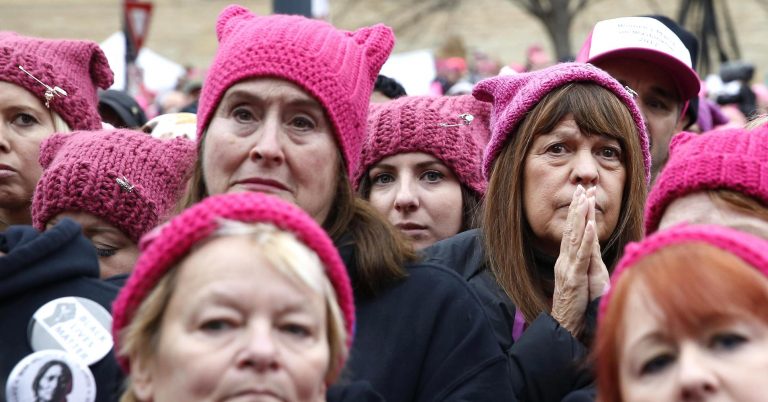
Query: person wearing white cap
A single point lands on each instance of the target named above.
(654, 57)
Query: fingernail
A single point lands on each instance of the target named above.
(579, 190)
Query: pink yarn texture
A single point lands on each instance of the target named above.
(78, 67)
(338, 68)
(432, 125)
(751, 249)
(514, 96)
(83, 171)
(734, 159)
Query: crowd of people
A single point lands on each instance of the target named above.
(312, 233)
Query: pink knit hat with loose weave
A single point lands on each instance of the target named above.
(174, 240)
(514, 96)
(734, 159)
(78, 67)
(750, 249)
(127, 178)
(440, 126)
(338, 68)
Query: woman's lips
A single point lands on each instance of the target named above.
(261, 185)
(7, 171)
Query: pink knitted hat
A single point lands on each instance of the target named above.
(734, 159)
(78, 67)
(127, 178)
(514, 96)
(439, 126)
(338, 68)
(751, 249)
(176, 238)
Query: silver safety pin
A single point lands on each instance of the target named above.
(50, 92)
(466, 119)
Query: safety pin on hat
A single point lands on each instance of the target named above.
(50, 92)
(631, 92)
(466, 119)
(125, 184)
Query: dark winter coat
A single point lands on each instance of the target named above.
(40, 267)
(546, 362)
(426, 338)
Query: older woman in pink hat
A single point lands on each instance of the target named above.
(283, 111)
(567, 167)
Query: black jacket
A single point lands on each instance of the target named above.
(40, 267)
(426, 338)
(547, 362)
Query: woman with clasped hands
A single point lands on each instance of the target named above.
(568, 169)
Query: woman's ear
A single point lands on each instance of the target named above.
(141, 379)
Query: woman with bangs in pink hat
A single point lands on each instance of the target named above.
(283, 112)
(420, 166)
(567, 166)
(242, 296)
(685, 319)
(46, 86)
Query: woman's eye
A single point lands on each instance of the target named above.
(656, 104)
(556, 149)
(656, 364)
(297, 330)
(727, 341)
(432, 176)
(242, 115)
(383, 178)
(24, 120)
(303, 123)
(216, 325)
(105, 251)
(609, 153)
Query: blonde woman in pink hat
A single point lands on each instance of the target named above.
(283, 111)
(567, 167)
(685, 319)
(46, 86)
(420, 166)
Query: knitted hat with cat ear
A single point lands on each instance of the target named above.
(338, 68)
(77, 68)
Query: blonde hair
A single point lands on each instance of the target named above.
(290, 257)
(757, 122)
(59, 125)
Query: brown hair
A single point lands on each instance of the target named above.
(470, 203)
(381, 251)
(740, 202)
(718, 286)
(507, 234)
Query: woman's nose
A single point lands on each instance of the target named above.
(259, 350)
(584, 169)
(267, 147)
(697, 378)
(406, 199)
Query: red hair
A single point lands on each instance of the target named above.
(695, 285)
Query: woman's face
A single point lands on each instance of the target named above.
(727, 362)
(419, 195)
(235, 328)
(24, 124)
(555, 164)
(49, 384)
(700, 209)
(268, 135)
(117, 253)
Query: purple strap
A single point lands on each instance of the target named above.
(519, 326)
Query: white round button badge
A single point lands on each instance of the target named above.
(50, 375)
(76, 325)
